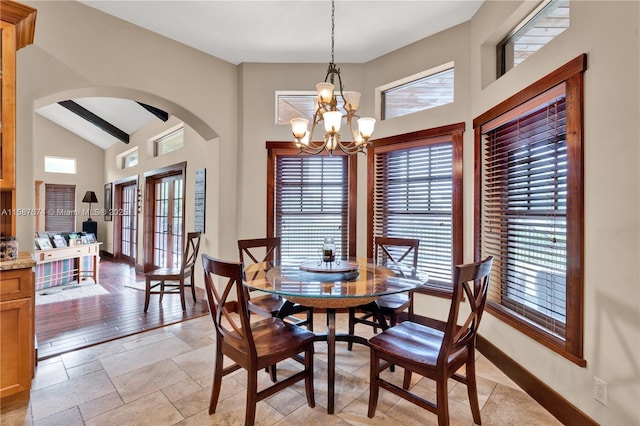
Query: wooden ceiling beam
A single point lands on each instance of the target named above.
(95, 120)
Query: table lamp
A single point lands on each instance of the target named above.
(90, 197)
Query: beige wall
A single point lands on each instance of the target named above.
(233, 109)
(59, 142)
(79, 51)
(608, 33)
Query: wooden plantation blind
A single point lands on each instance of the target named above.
(311, 203)
(60, 205)
(524, 213)
(413, 198)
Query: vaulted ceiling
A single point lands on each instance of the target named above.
(258, 31)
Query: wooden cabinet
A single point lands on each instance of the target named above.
(17, 26)
(17, 331)
(17, 302)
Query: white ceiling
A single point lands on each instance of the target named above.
(268, 31)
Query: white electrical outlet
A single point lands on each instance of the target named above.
(600, 392)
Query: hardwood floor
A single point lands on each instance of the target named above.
(67, 326)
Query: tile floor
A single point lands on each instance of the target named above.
(163, 377)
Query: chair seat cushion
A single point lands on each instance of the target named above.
(273, 336)
(414, 342)
(393, 302)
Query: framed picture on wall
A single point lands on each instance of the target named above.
(108, 191)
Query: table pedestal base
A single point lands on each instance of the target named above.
(331, 338)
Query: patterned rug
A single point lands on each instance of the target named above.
(64, 293)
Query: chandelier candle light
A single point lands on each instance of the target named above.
(326, 110)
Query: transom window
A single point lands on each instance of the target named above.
(60, 165)
(418, 92)
(542, 25)
(295, 104)
(130, 159)
(169, 142)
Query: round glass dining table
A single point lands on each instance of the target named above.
(331, 286)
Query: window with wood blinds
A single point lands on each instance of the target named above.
(60, 208)
(530, 191)
(311, 203)
(413, 197)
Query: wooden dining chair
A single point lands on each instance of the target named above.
(395, 253)
(258, 255)
(251, 345)
(435, 352)
(175, 278)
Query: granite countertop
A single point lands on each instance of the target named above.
(24, 260)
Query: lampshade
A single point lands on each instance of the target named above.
(365, 126)
(90, 197)
(325, 92)
(332, 121)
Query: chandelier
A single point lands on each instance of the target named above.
(328, 113)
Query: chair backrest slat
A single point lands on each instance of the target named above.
(230, 325)
(392, 250)
(470, 285)
(264, 254)
(191, 249)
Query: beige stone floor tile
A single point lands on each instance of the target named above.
(69, 417)
(197, 362)
(93, 353)
(49, 374)
(146, 380)
(231, 411)
(100, 405)
(486, 369)
(165, 377)
(509, 406)
(306, 415)
(147, 338)
(152, 410)
(125, 362)
(62, 396)
(181, 389)
(83, 369)
(194, 403)
(287, 401)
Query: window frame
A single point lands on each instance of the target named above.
(571, 74)
(453, 133)
(279, 148)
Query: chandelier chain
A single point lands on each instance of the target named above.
(333, 12)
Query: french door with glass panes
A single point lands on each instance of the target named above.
(127, 221)
(168, 211)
